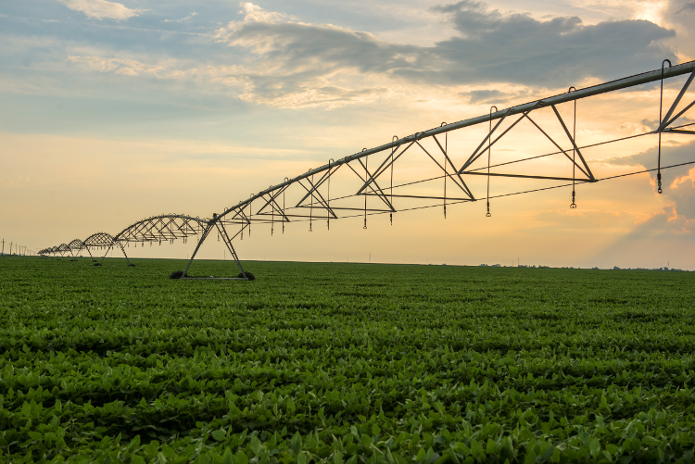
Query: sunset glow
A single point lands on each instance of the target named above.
(116, 111)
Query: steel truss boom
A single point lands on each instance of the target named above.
(316, 199)
(606, 87)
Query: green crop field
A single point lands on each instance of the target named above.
(344, 363)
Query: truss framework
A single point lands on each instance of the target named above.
(366, 179)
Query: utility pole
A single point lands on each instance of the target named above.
(10, 248)
(3, 246)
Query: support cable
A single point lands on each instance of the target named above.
(250, 214)
(283, 208)
(272, 218)
(311, 206)
(366, 176)
(489, 152)
(661, 99)
(328, 196)
(446, 141)
(574, 152)
(393, 150)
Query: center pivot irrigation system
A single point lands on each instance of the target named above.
(311, 197)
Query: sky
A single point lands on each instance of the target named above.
(116, 111)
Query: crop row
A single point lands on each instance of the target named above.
(353, 365)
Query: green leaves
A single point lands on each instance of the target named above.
(346, 364)
(594, 448)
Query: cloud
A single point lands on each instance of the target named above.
(297, 64)
(127, 67)
(687, 8)
(556, 52)
(100, 9)
(680, 15)
(666, 238)
(182, 20)
(498, 97)
(492, 47)
(284, 62)
(678, 183)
